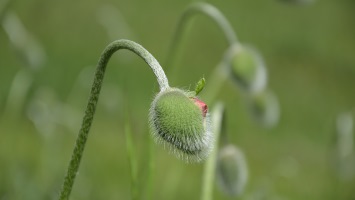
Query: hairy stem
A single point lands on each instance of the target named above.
(93, 99)
(205, 9)
(210, 166)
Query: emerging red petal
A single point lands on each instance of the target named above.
(201, 105)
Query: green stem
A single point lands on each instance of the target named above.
(210, 166)
(93, 99)
(132, 161)
(150, 171)
(221, 73)
(205, 9)
(214, 84)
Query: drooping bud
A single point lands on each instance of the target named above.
(264, 107)
(247, 68)
(182, 123)
(232, 171)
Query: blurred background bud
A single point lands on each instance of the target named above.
(232, 171)
(265, 108)
(247, 68)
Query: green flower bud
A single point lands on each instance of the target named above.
(264, 107)
(247, 68)
(182, 123)
(232, 171)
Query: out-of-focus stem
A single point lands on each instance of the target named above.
(210, 166)
(205, 9)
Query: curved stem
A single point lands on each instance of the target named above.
(214, 84)
(220, 74)
(210, 166)
(93, 99)
(205, 9)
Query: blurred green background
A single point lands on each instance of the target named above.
(309, 52)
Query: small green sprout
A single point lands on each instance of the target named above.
(200, 85)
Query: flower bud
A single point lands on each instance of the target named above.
(181, 123)
(232, 171)
(247, 68)
(264, 107)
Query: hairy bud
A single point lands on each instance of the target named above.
(181, 123)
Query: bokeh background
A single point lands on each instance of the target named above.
(308, 48)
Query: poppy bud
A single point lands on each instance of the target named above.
(232, 171)
(264, 107)
(247, 68)
(182, 123)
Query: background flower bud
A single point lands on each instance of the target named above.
(247, 69)
(179, 122)
(265, 108)
(232, 171)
